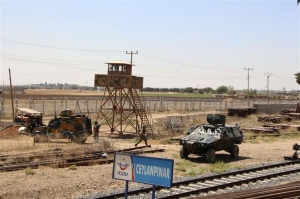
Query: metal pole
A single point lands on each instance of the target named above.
(11, 96)
(268, 75)
(43, 105)
(248, 78)
(131, 55)
(153, 192)
(126, 189)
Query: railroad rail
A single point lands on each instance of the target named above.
(277, 192)
(58, 158)
(215, 182)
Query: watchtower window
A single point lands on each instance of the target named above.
(117, 67)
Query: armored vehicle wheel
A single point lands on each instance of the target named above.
(234, 151)
(210, 155)
(183, 153)
(72, 138)
(81, 138)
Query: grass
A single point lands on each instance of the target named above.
(219, 167)
(175, 156)
(184, 165)
(29, 171)
(72, 167)
(148, 94)
(168, 141)
(195, 168)
(260, 138)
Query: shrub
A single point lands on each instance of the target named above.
(72, 167)
(29, 171)
(219, 167)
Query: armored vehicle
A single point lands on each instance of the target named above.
(67, 125)
(206, 139)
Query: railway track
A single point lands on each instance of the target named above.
(289, 190)
(59, 158)
(212, 183)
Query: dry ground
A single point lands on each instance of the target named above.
(66, 183)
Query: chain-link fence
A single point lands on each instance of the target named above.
(84, 105)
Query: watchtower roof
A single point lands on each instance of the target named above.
(120, 62)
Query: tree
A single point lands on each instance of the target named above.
(201, 91)
(189, 90)
(208, 90)
(222, 89)
(231, 90)
(297, 78)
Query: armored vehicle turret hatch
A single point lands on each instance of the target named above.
(206, 139)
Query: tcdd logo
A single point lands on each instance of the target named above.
(121, 173)
(122, 165)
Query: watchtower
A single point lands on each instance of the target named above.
(121, 105)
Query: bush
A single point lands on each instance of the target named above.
(72, 167)
(29, 171)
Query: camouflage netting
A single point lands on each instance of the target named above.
(10, 132)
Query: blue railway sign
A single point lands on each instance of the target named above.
(148, 170)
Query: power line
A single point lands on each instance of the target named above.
(56, 47)
(57, 74)
(64, 60)
(165, 60)
(45, 63)
(194, 77)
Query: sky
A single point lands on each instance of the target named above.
(180, 43)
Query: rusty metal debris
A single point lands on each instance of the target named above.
(295, 156)
(241, 112)
(274, 119)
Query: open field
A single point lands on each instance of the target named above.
(78, 181)
(46, 182)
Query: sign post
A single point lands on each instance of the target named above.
(126, 189)
(143, 169)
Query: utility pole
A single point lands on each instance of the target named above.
(136, 117)
(11, 96)
(131, 54)
(268, 75)
(248, 78)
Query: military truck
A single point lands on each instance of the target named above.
(206, 139)
(28, 119)
(67, 125)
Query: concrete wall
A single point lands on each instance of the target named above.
(273, 108)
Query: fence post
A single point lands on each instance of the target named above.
(96, 105)
(193, 105)
(167, 104)
(17, 103)
(2, 107)
(43, 105)
(66, 102)
(54, 101)
(87, 104)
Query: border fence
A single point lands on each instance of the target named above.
(84, 105)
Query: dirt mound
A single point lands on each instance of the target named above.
(10, 132)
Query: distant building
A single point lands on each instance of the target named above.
(16, 90)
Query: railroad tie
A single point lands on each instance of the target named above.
(221, 181)
(176, 190)
(187, 187)
(196, 186)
